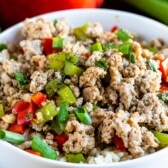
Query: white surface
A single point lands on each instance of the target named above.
(12, 157)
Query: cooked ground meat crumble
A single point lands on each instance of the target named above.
(95, 89)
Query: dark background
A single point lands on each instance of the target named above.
(121, 5)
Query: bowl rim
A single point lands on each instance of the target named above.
(82, 165)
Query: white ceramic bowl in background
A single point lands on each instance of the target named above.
(12, 157)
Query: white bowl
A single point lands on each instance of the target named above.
(12, 157)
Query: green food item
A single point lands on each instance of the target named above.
(2, 113)
(131, 57)
(46, 113)
(82, 115)
(52, 86)
(151, 66)
(102, 63)
(80, 32)
(3, 46)
(163, 96)
(156, 8)
(57, 61)
(109, 46)
(152, 49)
(55, 22)
(21, 78)
(70, 69)
(123, 35)
(162, 137)
(11, 137)
(42, 147)
(125, 48)
(58, 124)
(66, 94)
(58, 127)
(96, 47)
(58, 42)
(75, 157)
(63, 112)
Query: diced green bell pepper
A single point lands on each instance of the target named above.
(96, 47)
(52, 86)
(75, 157)
(66, 94)
(80, 32)
(2, 113)
(58, 42)
(71, 69)
(46, 113)
(162, 137)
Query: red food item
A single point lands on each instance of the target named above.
(33, 152)
(39, 98)
(20, 106)
(164, 69)
(119, 143)
(17, 128)
(164, 87)
(61, 139)
(47, 42)
(19, 9)
(114, 28)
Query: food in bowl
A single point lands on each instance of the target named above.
(83, 95)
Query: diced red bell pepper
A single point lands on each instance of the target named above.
(119, 143)
(17, 128)
(87, 55)
(61, 139)
(114, 28)
(47, 42)
(33, 152)
(27, 115)
(20, 106)
(164, 87)
(48, 49)
(39, 98)
(164, 69)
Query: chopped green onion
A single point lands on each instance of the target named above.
(151, 66)
(102, 63)
(96, 47)
(21, 78)
(109, 46)
(131, 57)
(63, 112)
(55, 22)
(57, 127)
(75, 157)
(123, 35)
(82, 115)
(46, 113)
(52, 86)
(1, 111)
(163, 96)
(125, 48)
(58, 42)
(42, 147)
(80, 32)
(66, 94)
(152, 49)
(11, 137)
(71, 69)
(58, 124)
(3, 46)
(162, 137)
